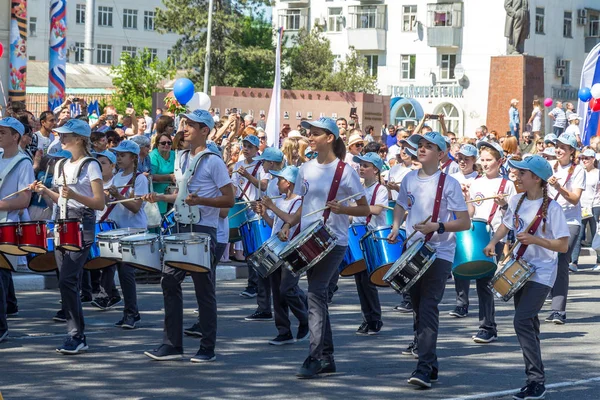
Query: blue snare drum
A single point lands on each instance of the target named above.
(94, 260)
(380, 254)
(389, 214)
(469, 260)
(236, 218)
(254, 234)
(168, 222)
(44, 262)
(353, 261)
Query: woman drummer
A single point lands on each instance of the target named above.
(550, 237)
(314, 181)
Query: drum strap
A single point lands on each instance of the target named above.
(446, 165)
(532, 230)
(112, 206)
(335, 185)
(495, 206)
(437, 203)
(258, 164)
(373, 202)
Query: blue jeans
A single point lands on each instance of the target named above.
(593, 223)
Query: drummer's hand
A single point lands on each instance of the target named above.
(173, 179)
(114, 192)
(552, 181)
(393, 236)
(335, 207)
(67, 193)
(193, 200)
(501, 201)
(284, 233)
(393, 186)
(267, 202)
(258, 208)
(426, 228)
(526, 239)
(37, 186)
(244, 172)
(151, 197)
(465, 190)
(489, 250)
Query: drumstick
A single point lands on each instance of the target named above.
(17, 192)
(242, 190)
(384, 206)
(39, 200)
(123, 201)
(414, 232)
(237, 171)
(488, 198)
(339, 201)
(253, 201)
(239, 212)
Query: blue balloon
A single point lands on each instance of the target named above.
(585, 94)
(183, 90)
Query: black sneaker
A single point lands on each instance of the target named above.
(328, 365)
(3, 335)
(73, 345)
(363, 329)
(12, 312)
(260, 316)
(165, 352)
(303, 333)
(485, 336)
(249, 293)
(375, 327)
(113, 301)
(85, 299)
(433, 376)
(310, 368)
(101, 303)
(204, 355)
(129, 321)
(283, 339)
(533, 391)
(409, 351)
(60, 316)
(419, 379)
(557, 317)
(459, 312)
(194, 330)
(404, 307)
(119, 324)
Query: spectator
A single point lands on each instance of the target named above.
(344, 135)
(560, 119)
(536, 118)
(369, 134)
(99, 142)
(149, 122)
(262, 136)
(249, 120)
(510, 147)
(144, 165)
(45, 135)
(573, 127)
(527, 146)
(262, 122)
(162, 159)
(164, 124)
(514, 120)
(342, 123)
(142, 125)
(452, 137)
(292, 153)
(390, 138)
(112, 139)
(355, 147)
(480, 134)
(394, 150)
(539, 146)
(569, 109)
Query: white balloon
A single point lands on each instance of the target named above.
(596, 90)
(200, 101)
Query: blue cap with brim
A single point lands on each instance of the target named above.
(406, 142)
(200, 116)
(61, 154)
(13, 123)
(491, 145)
(588, 153)
(212, 146)
(270, 154)
(372, 158)
(253, 140)
(568, 139)
(468, 150)
(432, 137)
(410, 151)
(127, 146)
(289, 173)
(108, 154)
(536, 164)
(76, 126)
(324, 123)
(550, 138)
(549, 151)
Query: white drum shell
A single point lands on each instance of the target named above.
(108, 241)
(188, 251)
(142, 251)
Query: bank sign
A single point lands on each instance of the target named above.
(416, 92)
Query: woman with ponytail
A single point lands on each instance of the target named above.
(543, 247)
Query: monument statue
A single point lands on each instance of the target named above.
(516, 28)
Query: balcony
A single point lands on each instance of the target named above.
(367, 39)
(444, 24)
(294, 2)
(444, 36)
(367, 30)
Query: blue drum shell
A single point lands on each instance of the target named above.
(469, 260)
(380, 255)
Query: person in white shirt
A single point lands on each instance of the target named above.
(45, 136)
(314, 182)
(566, 186)
(355, 147)
(448, 165)
(417, 196)
(466, 159)
(551, 237)
(573, 127)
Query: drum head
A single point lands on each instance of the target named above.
(5, 263)
(99, 263)
(42, 263)
(189, 267)
(119, 233)
(140, 238)
(302, 237)
(12, 249)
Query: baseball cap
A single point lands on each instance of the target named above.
(549, 151)
(588, 153)
(550, 138)
(270, 154)
(253, 140)
(75, 126)
(372, 158)
(13, 123)
(491, 145)
(468, 150)
(289, 173)
(406, 142)
(536, 164)
(106, 153)
(324, 123)
(294, 134)
(432, 137)
(200, 116)
(568, 139)
(212, 146)
(410, 151)
(61, 154)
(573, 116)
(127, 146)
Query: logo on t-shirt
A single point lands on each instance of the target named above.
(519, 224)
(305, 187)
(411, 200)
(478, 199)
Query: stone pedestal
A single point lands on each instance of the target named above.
(518, 77)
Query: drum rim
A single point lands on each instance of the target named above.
(67, 220)
(301, 240)
(8, 223)
(40, 222)
(155, 237)
(404, 257)
(105, 235)
(255, 219)
(199, 235)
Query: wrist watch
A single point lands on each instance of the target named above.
(441, 229)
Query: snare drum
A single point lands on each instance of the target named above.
(236, 218)
(94, 261)
(109, 241)
(469, 260)
(44, 262)
(266, 259)
(254, 234)
(70, 234)
(308, 248)
(33, 237)
(380, 254)
(511, 277)
(188, 251)
(353, 261)
(142, 251)
(168, 222)
(413, 263)
(9, 239)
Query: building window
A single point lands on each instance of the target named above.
(131, 50)
(149, 20)
(444, 14)
(407, 66)
(130, 18)
(79, 46)
(367, 17)
(448, 62)
(372, 61)
(568, 24)
(80, 14)
(291, 20)
(594, 26)
(539, 20)
(153, 54)
(565, 78)
(335, 19)
(409, 18)
(32, 26)
(104, 54)
(105, 15)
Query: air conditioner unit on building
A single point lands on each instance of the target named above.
(561, 63)
(582, 16)
(560, 72)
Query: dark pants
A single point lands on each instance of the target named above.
(528, 303)
(11, 296)
(86, 284)
(252, 278)
(593, 223)
(107, 282)
(557, 130)
(561, 285)
(4, 283)
(129, 288)
(368, 296)
(263, 294)
(287, 295)
(333, 286)
(426, 295)
(204, 286)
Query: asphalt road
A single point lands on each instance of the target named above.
(247, 367)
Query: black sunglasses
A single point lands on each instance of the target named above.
(165, 143)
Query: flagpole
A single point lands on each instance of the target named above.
(273, 118)
(207, 57)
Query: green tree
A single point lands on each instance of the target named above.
(353, 75)
(136, 78)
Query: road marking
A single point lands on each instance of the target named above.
(513, 391)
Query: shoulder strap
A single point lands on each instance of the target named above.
(495, 206)
(299, 228)
(373, 202)
(112, 206)
(16, 160)
(335, 185)
(437, 203)
(532, 230)
(254, 171)
(445, 166)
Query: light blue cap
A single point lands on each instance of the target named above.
(75, 126)
(432, 137)
(270, 154)
(536, 164)
(550, 138)
(447, 139)
(568, 139)
(200, 116)
(468, 150)
(491, 145)
(324, 123)
(14, 123)
(253, 140)
(108, 154)
(410, 151)
(289, 173)
(61, 154)
(212, 146)
(549, 151)
(406, 142)
(372, 158)
(127, 146)
(588, 153)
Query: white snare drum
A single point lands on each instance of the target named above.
(109, 241)
(188, 251)
(142, 251)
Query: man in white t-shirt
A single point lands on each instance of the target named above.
(45, 136)
(573, 127)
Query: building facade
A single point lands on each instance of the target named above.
(434, 57)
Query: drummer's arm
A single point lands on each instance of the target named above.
(375, 210)
(16, 202)
(224, 212)
(163, 177)
(226, 200)
(500, 233)
(292, 219)
(471, 208)
(254, 180)
(50, 194)
(399, 215)
(461, 223)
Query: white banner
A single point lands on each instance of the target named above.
(272, 126)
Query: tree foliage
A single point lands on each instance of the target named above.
(353, 75)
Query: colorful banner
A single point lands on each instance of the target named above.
(57, 64)
(273, 118)
(590, 74)
(17, 75)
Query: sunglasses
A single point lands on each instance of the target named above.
(165, 143)
(359, 145)
(262, 137)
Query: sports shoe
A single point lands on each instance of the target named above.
(433, 376)
(548, 298)
(119, 324)
(100, 302)
(3, 335)
(248, 293)
(375, 327)
(129, 321)
(85, 299)
(596, 268)
(204, 355)
(485, 336)
(310, 368)
(419, 379)
(363, 329)
(303, 333)
(411, 350)
(404, 307)
(459, 312)
(328, 365)
(113, 301)
(280, 340)
(12, 312)
(60, 316)
(557, 317)
(73, 345)
(165, 352)
(573, 267)
(260, 316)
(532, 391)
(194, 330)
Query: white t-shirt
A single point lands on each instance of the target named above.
(574, 130)
(485, 187)
(240, 182)
(397, 174)
(272, 188)
(315, 180)
(89, 173)
(19, 178)
(576, 181)
(349, 160)
(43, 141)
(287, 206)
(591, 195)
(223, 230)
(543, 260)
(381, 198)
(393, 151)
(451, 168)
(99, 214)
(417, 196)
(120, 214)
(463, 179)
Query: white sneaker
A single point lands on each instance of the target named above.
(573, 267)
(596, 268)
